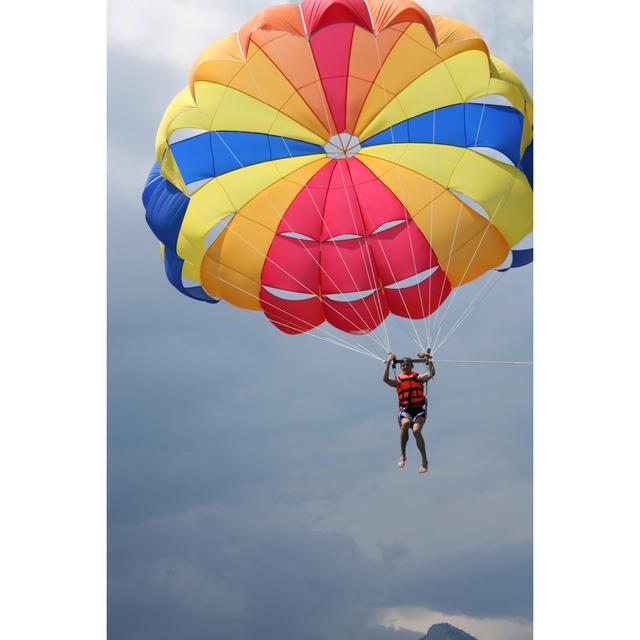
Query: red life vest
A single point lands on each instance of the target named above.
(410, 391)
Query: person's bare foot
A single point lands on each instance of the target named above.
(424, 468)
(401, 462)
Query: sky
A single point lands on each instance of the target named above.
(252, 482)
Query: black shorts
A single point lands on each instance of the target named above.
(412, 413)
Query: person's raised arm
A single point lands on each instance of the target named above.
(387, 364)
(428, 360)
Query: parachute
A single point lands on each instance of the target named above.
(340, 161)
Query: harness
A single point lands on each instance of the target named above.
(410, 391)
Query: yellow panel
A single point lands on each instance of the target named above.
(432, 90)
(432, 160)
(499, 188)
(224, 109)
(470, 71)
(169, 170)
(227, 194)
(182, 103)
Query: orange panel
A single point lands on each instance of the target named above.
(260, 78)
(367, 55)
(219, 62)
(466, 244)
(232, 266)
(385, 13)
(282, 17)
(293, 56)
(452, 228)
(369, 51)
(237, 257)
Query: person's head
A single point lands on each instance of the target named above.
(406, 365)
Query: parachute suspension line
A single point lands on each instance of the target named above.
(279, 266)
(485, 361)
(439, 318)
(313, 293)
(408, 214)
(319, 213)
(333, 339)
(369, 268)
(431, 205)
(473, 305)
(484, 233)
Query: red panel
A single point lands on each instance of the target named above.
(361, 316)
(341, 212)
(292, 265)
(378, 204)
(401, 252)
(320, 13)
(419, 301)
(292, 316)
(305, 213)
(347, 267)
(332, 50)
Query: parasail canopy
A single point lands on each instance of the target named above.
(338, 161)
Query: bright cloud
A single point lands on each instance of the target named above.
(419, 619)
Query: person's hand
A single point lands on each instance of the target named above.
(390, 358)
(425, 356)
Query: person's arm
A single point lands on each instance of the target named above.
(387, 364)
(428, 360)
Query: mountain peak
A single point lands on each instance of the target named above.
(444, 631)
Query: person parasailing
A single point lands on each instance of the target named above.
(412, 398)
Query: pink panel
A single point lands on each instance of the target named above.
(341, 212)
(360, 316)
(347, 267)
(419, 301)
(401, 252)
(320, 13)
(292, 265)
(332, 50)
(304, 214)
(292, 316)
(378, 203)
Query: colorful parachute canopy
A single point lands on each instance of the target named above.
(341, 160)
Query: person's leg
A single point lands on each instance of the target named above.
(404, 438)
(417, 434)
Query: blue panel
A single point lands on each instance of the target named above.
(519, 258)
(194, 158)
(288, 148)
(152, 183)
(165, 211)
(460, 125)
(236, 149)
(442, 126)
(526, 164)
(393, 135)
(495, 126)
(217, 152)
(173, 268)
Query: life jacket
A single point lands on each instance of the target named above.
(410, 391)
